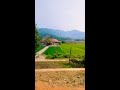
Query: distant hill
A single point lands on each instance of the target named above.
(62, 35)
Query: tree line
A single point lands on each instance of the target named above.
(37, 38)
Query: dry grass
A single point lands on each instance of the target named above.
(56, 64)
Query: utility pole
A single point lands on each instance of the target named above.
(70, 54)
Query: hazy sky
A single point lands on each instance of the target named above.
(60, 14)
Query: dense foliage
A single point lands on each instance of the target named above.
(37, 38)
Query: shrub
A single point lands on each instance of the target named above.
(78, 62)
(63, 41)
(79, 56)
(75, 60)
(83, 61)
(59, 43)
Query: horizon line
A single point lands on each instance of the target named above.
(62, 30)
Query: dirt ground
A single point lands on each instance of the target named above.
(42, 58)
(45, 86)
(60, 80)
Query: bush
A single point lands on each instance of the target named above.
(63, 41)
(75, 60)
(78, 62)
(83, 61)
(79, 56)
(59, 43)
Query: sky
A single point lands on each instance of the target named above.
(60, 14)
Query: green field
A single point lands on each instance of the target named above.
(63, 51)
(53, 50)
(77, 48)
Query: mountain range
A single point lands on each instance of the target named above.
(73, 34)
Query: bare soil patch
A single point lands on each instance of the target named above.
(45, 86)
(60, 80)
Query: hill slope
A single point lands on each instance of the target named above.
(73, 34)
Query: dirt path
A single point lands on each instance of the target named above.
(61, 69)
(40, 57)
(57, 60)
(41, 51)
(45, 86)
(43, 59)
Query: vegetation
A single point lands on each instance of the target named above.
(77, 51)
(37, 38)
(57, 64)
(60, 34)
(52, 50)
(63, 51)
(47, 39)
(55, 52)
(39, 48)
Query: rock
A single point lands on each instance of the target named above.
(78, 76)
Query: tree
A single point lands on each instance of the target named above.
(37, 38)
(47, 40)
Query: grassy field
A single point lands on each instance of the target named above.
(63, 51)
(39, 48)
(52, 50)
(77, 48)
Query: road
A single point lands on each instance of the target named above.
(41, 51)
(61, 69)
